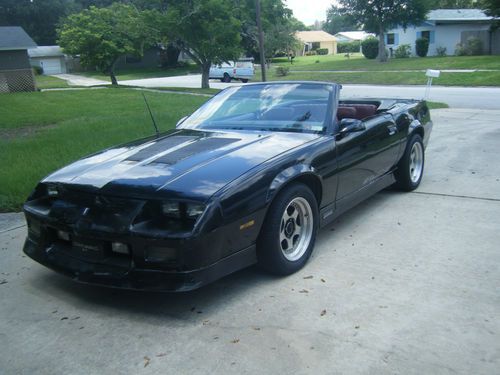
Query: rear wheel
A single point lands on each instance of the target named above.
(289, 231)
(244, 80)
(411, 166)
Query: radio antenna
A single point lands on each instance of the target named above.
(152, 117)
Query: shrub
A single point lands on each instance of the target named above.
(441, 51)
(403, 51)
(38, 70)
(282, 71)
(370, 48)
(310, 53)
(472, 47)
(317, 61)
(347, 47)
(422, 46)
(322, 51)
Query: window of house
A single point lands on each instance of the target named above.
(426, 35)
(390, 38)
(316, 45)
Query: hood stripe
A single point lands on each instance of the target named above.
(159, 146)
(203, 145)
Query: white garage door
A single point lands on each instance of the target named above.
(51, 66)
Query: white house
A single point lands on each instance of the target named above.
(50, 58)
(446, 28)
(352, 36)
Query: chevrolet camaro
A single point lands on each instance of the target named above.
(248, 178)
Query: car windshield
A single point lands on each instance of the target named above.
(289, 107)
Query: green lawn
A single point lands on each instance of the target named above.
(42, 131)
(391, 78)
(49, 82)
(128, 74)
(359, 62)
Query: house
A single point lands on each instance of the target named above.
(152, 58)
(445, 28)
(15, 70)
(50, 58)
(352, 36)
(313, 40)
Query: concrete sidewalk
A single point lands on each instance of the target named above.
(405, 283)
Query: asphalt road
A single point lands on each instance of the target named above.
(455, 97)
(406, 283)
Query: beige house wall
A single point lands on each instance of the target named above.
(331, 46)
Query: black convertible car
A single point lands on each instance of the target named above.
(247, 178)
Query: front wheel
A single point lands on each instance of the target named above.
(289, 231)
(226, 78)
(411, 166)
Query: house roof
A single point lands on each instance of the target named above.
(354, 35)
(315, 36)
(457, 15)
(46, 51)
(14, 38)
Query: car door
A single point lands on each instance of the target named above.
(364, 156)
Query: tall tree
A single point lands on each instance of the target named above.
(37, 17)
(278, 24)
(337, 22)
(101, 35)
(380, 15)
(206, 30)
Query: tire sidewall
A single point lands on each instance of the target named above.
(403, 177)
(269, 253)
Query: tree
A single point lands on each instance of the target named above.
(37, 17)
(206, 30)
(380, 15)
(337, 22)
(455, 4)
(278, 24)
(101, 35)
(491, 7)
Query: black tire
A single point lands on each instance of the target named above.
(406, 177)
(244, 80)
(226, 78)
(270, 254)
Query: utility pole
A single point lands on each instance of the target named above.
(261, 41)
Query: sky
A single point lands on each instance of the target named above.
(309, 11)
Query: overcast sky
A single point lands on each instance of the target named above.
(309, 11)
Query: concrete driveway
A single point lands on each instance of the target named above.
(406, 283)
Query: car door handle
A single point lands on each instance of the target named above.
(392, 130)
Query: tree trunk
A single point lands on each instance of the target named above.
(382, 53)
(112, 73)
(205, 75)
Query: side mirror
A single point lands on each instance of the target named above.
(179, 123)
(351, 125)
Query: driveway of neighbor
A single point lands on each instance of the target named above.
(406, 283)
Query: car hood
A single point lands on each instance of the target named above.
(182, 163)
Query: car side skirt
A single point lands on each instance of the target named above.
(334, 210)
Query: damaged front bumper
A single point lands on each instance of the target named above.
(98, 245)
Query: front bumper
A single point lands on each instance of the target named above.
(57, 258)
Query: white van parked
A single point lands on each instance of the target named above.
(242, 70)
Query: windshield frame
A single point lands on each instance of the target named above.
(329, 118)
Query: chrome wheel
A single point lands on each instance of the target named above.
(416, 162)
(296, 229)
